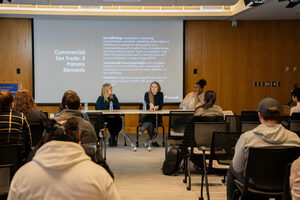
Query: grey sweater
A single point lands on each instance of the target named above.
(88, 134)
(265, 135)
(212, 111)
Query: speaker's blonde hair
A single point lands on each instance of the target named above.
(104, 91)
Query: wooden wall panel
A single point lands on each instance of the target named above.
(193, 50)
(16, 51)
(285, 48)
(243, 62)
(211, 55)
(254, 51)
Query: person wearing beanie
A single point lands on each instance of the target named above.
(268, 134)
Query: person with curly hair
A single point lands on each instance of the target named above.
(24, 102)
(192, 99)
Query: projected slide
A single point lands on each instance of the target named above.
(82, 55)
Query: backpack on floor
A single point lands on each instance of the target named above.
(172, 163)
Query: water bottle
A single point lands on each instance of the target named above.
(111, 106)
(86, 107)
(183, 106)
(144, 106)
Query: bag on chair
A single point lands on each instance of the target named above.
(172, 163)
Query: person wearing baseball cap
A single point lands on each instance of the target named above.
(268, 134)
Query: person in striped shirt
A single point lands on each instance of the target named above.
(14, 128)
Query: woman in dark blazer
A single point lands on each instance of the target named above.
(154, 99)
(114, 122)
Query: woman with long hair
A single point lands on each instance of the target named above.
(195, 98)
(207, 112)
(114, 122)
(24, 102)
(209, 109)
(154, 99)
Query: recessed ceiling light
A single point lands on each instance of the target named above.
(122, 1)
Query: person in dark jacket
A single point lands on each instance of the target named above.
(154, 99)
(114, 122)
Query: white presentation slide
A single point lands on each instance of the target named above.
(82, 55)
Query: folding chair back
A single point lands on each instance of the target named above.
(203, 132)
(96, 121)
(10, 155)
(36, 133)
(266, 167)
(5, 178)
(232, 121)
(249, 116)
(248, 125)
(222, 146)
(295, 125)
(295, 116)
(177, 122)
(286, 186)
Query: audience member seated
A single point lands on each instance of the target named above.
(114, 122)
(154, 99)
(195, 97)
(62, 108)
(91, 149)
(24, 102)
(296, 98)
(60, 169)
(209, 109)
(268, 134)
(14, 128)
(295, 179)
(71, 104)
(208, 112)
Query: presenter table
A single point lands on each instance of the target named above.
(122, 113)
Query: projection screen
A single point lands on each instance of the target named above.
(82, 55)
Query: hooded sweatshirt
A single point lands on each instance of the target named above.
(62, 170)
(264, 135)
(295, 179)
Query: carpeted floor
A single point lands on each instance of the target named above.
(138, 175)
